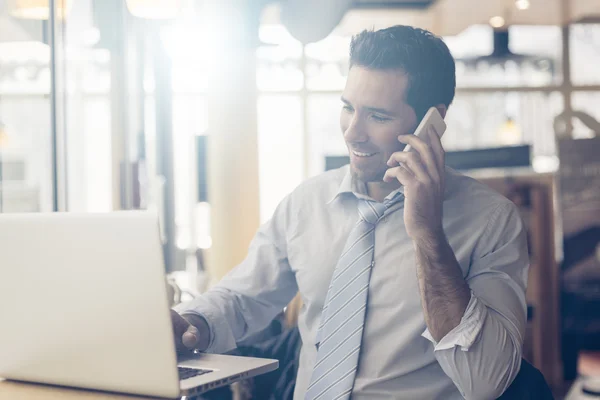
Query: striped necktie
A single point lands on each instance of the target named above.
(343, 316)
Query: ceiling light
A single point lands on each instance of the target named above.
(154, 9)
(497, 21)
(38, 9)
(522, 4)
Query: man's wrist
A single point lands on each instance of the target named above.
(203, 329)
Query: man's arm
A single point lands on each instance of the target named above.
(482, 352)
(477, 325)
(445, 294)
(253, 293)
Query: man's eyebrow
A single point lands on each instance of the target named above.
(372, 109)
(380, 111)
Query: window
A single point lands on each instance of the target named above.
(26, 183)
(585, 54)
(280, 149)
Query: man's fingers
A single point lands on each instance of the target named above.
(403, 175)
(425, 152)
(186, 335)
(412, 162)
(180, 325)
(191, 337)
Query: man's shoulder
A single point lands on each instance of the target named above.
(312, 194)
(321, 187)
(472, 195)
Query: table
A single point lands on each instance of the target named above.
(10, 390)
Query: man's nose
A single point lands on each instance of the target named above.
(355, 132)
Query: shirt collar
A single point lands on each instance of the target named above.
(350, 185)
(344, 188)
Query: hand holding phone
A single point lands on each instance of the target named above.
(422, 174)
(432, 119)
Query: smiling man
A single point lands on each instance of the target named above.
(412, 276)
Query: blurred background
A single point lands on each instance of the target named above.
(210, 112)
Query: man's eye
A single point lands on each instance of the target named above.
(347, 108)
(379, 118)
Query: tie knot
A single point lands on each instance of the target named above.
(371, 211)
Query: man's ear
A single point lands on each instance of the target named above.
(442, 109)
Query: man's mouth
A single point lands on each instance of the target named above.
(359, 154)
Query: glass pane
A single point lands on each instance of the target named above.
(25, 124)
(585, 54)
(525, 56)
(278, 60)
(280, 149)
(544, 42)
(189, 68)
(588, 103)
(474, 41)
(88, 113)
(324, 130)
(190, 120)
(497, 119)
(327, 63)
(89, 155)
(87, 108)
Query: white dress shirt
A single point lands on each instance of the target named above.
(298, 248)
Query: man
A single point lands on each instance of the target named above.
(412, 276)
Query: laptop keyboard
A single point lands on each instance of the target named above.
(186, 373)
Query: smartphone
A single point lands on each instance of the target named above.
(432, 119)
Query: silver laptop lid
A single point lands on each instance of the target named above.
(83, 302)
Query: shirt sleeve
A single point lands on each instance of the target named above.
(247, 299)
(465, 334)
(482, 355)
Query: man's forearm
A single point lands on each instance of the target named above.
(444, 293)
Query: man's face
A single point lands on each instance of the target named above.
(374, 114)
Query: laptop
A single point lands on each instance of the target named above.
(83, 303)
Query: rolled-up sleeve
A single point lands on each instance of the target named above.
(247, 299)
(482, 355)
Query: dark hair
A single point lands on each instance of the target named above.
(424, 57)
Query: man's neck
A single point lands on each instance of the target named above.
(380, 190)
